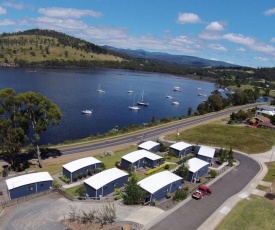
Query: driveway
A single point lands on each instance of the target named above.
(191, 215)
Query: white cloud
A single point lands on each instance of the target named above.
(217, 47)
(241, 49)
(250, 42)
(188, 18)
(260, 59)
(7, 22)
(17, 6)
(60, 24)
(214, 26)
(270, 12)
(58, 12)
(2, 10)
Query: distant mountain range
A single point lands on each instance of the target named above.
(181, 60)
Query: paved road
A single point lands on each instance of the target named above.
(150, 133)
(191, 215)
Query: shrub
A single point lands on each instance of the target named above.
(90, 172)
(180, 195)
(150, 171)
(213, 173)
(168, 195)
(118, 197)
(80, 175)
(81, 191)
(75, 178)
(55, 184)
(167, 166)
(65, 178)
(155, 201)
(4, 173)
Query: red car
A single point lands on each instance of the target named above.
(201, 192)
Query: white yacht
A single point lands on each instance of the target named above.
(87, 111)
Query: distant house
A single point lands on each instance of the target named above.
(180, 149)
(105, 182)
(205, 153)
(141, 158)
(197, 168)
(74, 168)
(159, 185)
(29, 184)
(151, 146)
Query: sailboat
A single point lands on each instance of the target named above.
(142, 102)
(87, 111)
(134, 107)
(168, 96)
(130, 91)
(100, 90)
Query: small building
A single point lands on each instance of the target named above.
(151, 146)
(141, 158)
(180, 149)
(29, 184)
(105, 182)
(197, 168)
(74, 168)
(159, 185)
(205, 153)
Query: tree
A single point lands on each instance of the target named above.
(189, 112)
(12, 135)
(39, 113)
(230, 157)
(183, 171)
(133, 193)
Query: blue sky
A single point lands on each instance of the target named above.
(235, 31)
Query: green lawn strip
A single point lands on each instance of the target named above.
(250, 214)
(245, 139)
(73, 190)
(270, 176)
(110, 161)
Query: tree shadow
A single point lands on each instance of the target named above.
(50, 152)
(270, 196)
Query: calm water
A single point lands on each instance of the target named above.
(74, 90)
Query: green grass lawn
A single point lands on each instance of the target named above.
(250, 214)
(245, 139)
(72, 190)
(270, 176)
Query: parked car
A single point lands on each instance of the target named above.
(201, 192)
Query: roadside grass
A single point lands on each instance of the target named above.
(250, 214)
(243, 87)
(270, 176)
(245, 139)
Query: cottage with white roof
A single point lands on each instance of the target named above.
(29, 184)
(180, 149)
(159, 185)
(151, 146)
(74, 168)
(141, 158)
(205, 153)
(197, 168)
(105, 182)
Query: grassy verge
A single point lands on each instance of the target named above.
(73, 190)
(250, 214)
(270, 176)
(245, 139)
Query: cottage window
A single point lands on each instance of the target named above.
(41, 185)
(30, 188)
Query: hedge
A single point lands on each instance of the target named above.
(150, 171)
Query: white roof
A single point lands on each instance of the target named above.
(99, 180)
(28, 179)
(140, 154)
(157, 181)
(180, 145)
(80, 163)
(148, 145)
(206, 151)
(195, 164)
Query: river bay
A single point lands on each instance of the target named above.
(75, 90)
